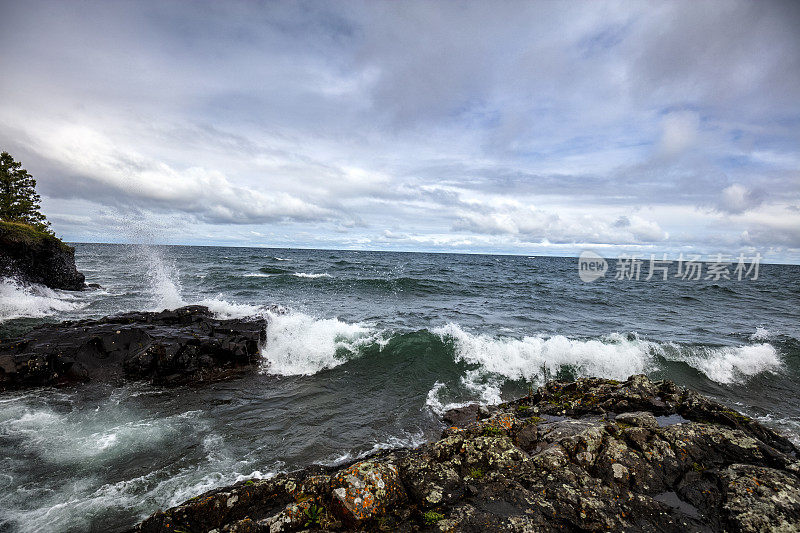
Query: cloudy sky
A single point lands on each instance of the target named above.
(503, 127)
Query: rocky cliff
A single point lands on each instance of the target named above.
(185, 345)
(589, 455)
(32, 256)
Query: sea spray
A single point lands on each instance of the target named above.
(225, 309)
(613, 356)
(164, 278)
(34, 301)
(299, 344)
(64, 435)
(728, 364)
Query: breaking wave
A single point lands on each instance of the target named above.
(33, 301)
(225, 309)
(728, 364)
(299, 344)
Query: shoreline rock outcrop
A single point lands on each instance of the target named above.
(587, 455)
(30, 255)
(169, 347)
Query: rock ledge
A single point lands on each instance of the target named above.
(588, 455)
(30, 255)
(168, 347)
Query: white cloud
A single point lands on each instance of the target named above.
(679, 132)
(737, 199)
(483, 126)
(534, 225)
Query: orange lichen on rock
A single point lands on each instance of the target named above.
(365, 490)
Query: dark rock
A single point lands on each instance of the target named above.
(170, 347)
(31, 256)
(462, 416)
(579, 456)
(641, 419)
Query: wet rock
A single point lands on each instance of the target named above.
(170, 347)
(587, 455)
(462, 416)
(638, 418)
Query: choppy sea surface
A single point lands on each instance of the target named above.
(373, 346)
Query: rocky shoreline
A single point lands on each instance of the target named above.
(585, 455)
(588, 455)
(29, 255)
(170, 347)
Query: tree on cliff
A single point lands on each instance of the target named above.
(19, 201)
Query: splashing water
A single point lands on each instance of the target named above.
(163, 277)
(33, 301)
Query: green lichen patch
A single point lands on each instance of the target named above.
(432, 517)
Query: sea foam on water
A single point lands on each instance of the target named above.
(33, 301)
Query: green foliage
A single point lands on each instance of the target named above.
(431, 517)
(492, 431)
(249, 482)
(19, 201)
(17, 232)
(313, 514)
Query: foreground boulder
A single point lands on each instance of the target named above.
(30, 255)
(589, 455)
(169, 347)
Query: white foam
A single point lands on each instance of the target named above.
(789, 426)
(312, 276)
(406, 440)
(102, 436)
(538, 358)
(255, 474)
(299, 344)
(615, 356)
(257, 275)
(34, 301)
(165, 285)
(733, 364)
(761, 334)
(434, 402)
(224, 309)
(91, 439)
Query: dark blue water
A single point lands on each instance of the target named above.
(373, 346)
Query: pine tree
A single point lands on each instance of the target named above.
(19, 201)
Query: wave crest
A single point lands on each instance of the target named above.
(299, 344)
(728, 364)
(33, 301)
